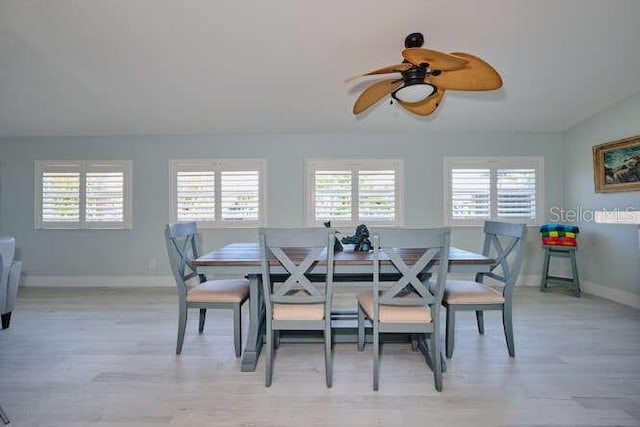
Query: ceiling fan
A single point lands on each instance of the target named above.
(425, 76)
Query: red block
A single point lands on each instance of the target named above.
(559, 241)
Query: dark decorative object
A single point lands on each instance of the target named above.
(360, 240)
(337, 246)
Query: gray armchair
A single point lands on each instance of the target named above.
(9, 278)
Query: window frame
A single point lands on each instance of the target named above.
(354, 165)
(493, 163)
(218, 166)
(82, 167)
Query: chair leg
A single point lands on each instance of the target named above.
(360, 328)
(276, 339)
(269, 356)
(545, 269)
(574, 274)
(436, 360)
(507, 322)
(376, 355)
(328, 361)
(237, 329)
(182, 326)
(3, 416)
(450, 331)
(6, 320)
(480, 321)
(203, 316)
(414, 342)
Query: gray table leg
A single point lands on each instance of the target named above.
(256, 324)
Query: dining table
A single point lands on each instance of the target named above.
(350, 267)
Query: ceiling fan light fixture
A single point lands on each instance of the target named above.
(415, 92)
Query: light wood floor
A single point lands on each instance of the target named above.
(105, 357)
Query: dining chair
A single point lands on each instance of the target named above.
(292, 300)
(405, 304)
(504, 242)
(182, 247)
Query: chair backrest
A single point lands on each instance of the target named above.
(412, 252)
(7, 252)
(504, 242)
(288, 256)
(182, 248)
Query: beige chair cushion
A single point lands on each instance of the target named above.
(228, 290)
(298, 311)
(395, 313)
(469, 292)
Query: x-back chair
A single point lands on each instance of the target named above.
(406, 305)
(504, 242)
(292, 300)
(182, 247)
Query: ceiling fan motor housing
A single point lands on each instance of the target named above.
(415, 75)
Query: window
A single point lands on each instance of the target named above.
(83, 194)
(218, 193)
(496, 188)
(349, 192)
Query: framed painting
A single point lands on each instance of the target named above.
(616, 165)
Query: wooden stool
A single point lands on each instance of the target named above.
(562, 252)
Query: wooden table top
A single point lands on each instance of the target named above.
(248, 254)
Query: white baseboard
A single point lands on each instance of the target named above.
(606, 292)
(97, 281)
(528, 280)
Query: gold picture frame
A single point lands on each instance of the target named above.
(616, 165)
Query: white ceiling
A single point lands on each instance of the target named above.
(94, 67)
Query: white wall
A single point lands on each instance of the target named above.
(76, 253)
(609, 256)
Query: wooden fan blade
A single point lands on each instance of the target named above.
(398, 68)
(374, 93)
(426, 107)
(436, 60)
(476, 75)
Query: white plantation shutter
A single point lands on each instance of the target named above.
(498, 188)
(218, 193)
(348, 192)
(195, 195)
(516, 193)
(333, 195)
(240, 195)
(470, 193)
(105, 196)
(60, 200)
(83, 194)
(377, 195)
